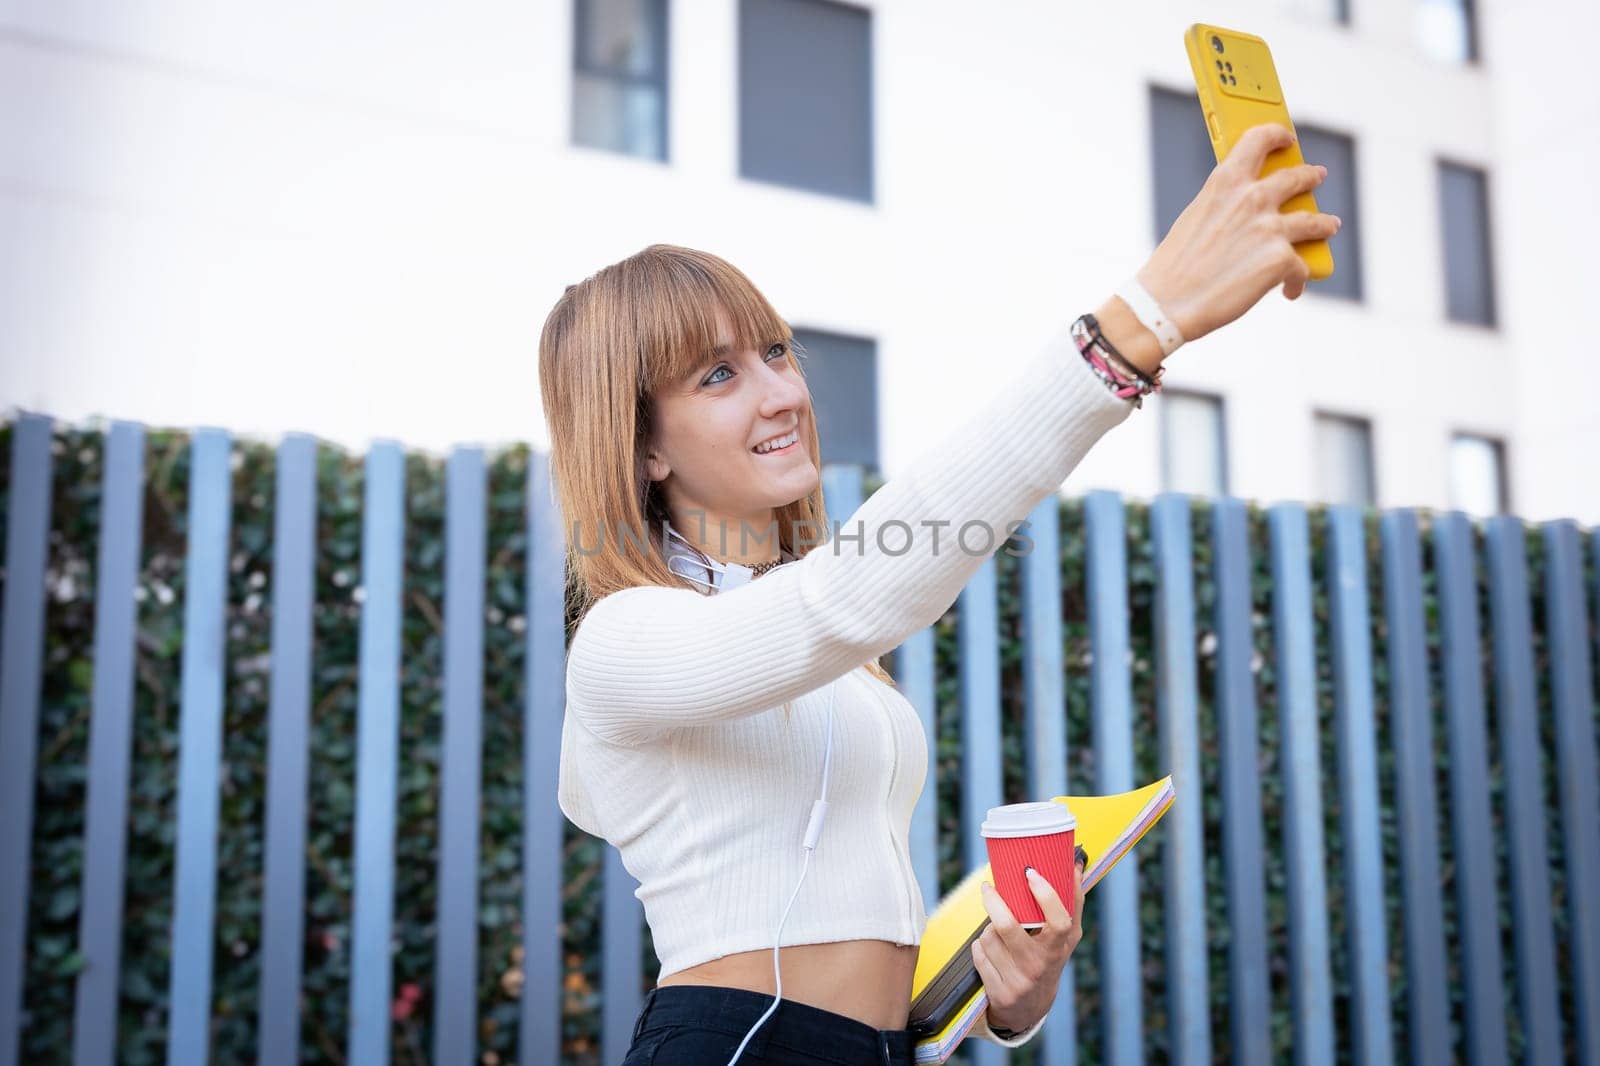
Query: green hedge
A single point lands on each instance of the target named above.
(58, 826)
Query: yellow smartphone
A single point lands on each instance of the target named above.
(1238, 87)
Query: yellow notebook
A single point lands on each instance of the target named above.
(946, 993)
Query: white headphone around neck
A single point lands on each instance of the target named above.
(733, 575)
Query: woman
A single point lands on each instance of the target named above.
(722, 706)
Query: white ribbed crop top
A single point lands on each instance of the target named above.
(675, 747)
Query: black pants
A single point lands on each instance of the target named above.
(702, 1025)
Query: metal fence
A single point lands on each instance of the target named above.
(1364, 1033)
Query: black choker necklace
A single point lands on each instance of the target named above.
(760, 568)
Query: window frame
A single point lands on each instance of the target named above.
(1441, 164)
(871, 195)
(1352, 217)
(662, 81)
(803, 334)
(1371, 427)
(1502, 450)
(1224, 456)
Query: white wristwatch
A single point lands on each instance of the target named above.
(1150, 314)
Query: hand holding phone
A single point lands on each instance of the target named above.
(1232, 244)
(1237, 84)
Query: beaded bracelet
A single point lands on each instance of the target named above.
(1125, 380)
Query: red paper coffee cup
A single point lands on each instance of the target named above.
(1040, 835)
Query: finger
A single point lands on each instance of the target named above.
(1282, 185)
(1057, 922)
(999, 952)
(1301, 226)
(1298, 276)
(1255, 144)
(1077, 903)
(995, 985)
(1006, 927)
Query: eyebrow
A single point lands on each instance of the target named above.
(719, 352)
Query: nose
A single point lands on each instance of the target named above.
(782, 389)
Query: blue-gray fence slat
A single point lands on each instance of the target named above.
(383, 523)
(539, 1012)
(1238, 743)
(1411, 718)
(1517, 717)
(1045, 706)
(621, 945)
(21, 676)
(1178, 708)
(1573, 696)
(1310, 982)
(981, 781)
(982, 785)
(1478, 910)
(205, 603)
(1043, 665)
(455, 997)
(294, 564)
(105, 833)
(1359, 824)
(1111, 718)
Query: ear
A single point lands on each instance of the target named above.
(656, 468)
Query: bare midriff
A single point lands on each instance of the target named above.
(868, 980)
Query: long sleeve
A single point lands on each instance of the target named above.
(981, 1030)
(651, 658)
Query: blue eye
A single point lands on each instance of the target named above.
(711, 378)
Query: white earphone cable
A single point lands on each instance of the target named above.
(819, 811)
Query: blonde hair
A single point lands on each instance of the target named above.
(610, 341)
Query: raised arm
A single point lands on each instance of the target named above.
(652, 657)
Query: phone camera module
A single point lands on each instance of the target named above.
(1216, 42)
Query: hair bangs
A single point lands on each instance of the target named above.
(689, 291)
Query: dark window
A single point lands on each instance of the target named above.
(1194, 443)
(1336, 196)
(1180, 151)
(1448, 29)
(1468, 257)
(1344, 460)
(805, 96)
(1478, 475)
(842, 374)
(619, 76)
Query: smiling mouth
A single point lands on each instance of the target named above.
(783, 450)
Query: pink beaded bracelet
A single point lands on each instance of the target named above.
(1125, 380)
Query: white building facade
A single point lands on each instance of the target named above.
(351, 220)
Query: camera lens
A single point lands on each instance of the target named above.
(1216, 42)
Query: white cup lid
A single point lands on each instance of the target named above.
(1029, 819)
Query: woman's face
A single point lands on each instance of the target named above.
(703, 443)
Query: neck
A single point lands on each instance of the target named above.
(747, 541)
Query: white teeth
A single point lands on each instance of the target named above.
(780, 442)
